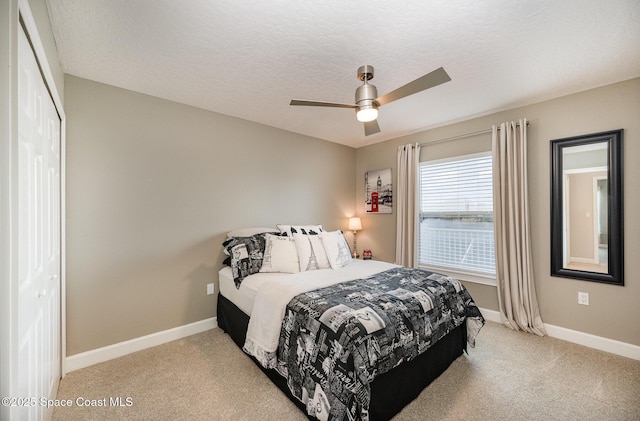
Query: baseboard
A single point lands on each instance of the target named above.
(592, 341)
(95, 356)
(490, 315)
(581, 338)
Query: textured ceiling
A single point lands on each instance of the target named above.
(249, 58)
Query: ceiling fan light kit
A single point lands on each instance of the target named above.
(368, 101)
(366, 113)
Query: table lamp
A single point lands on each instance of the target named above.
(355, 225)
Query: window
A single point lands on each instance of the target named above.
(456, 216)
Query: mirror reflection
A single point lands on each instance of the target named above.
(586, 228)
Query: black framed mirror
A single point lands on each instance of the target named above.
(586, 208)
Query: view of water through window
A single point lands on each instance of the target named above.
(466, 242)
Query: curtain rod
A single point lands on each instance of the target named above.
(462, 136)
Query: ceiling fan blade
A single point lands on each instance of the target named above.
(371, 127)
(427, 81)
(320, 104)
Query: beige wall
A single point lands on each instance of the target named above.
(613, 310)
(152, 188)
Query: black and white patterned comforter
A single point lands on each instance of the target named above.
(335, 340)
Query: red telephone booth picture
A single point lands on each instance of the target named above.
(374, 201)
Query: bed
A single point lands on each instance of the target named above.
(356, 341)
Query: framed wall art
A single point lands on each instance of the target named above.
(378, 191)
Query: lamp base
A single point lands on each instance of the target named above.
(355, 254)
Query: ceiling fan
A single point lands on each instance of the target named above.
(368, 101)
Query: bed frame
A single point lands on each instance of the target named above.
(391, 391)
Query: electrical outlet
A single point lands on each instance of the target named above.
(583, 298)
(210, 289)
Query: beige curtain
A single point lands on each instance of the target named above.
(514, 270)
(406, 199)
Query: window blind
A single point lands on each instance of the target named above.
(456, 214)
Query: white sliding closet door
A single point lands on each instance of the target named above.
(39, 246)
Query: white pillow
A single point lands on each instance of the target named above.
(289, 230)
(311, 252)
(337, 249)
(280, 255)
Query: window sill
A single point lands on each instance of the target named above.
(463, 276)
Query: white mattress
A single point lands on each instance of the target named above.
(245, 296)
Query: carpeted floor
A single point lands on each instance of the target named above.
(508, 376)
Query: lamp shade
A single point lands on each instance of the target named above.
(355, 224)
